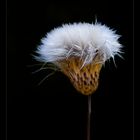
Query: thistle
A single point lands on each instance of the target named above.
(80, 50)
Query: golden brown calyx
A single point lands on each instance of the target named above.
(84, 79)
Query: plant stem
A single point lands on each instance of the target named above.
(88, 117)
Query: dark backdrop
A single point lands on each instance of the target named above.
(55, 110)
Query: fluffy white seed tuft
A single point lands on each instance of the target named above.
(82, 40)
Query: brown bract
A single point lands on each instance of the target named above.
(84, 78)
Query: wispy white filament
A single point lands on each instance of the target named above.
(82, 40)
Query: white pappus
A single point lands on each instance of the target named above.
(82, 40)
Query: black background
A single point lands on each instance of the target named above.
(55, 110)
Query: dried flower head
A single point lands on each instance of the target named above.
(79, 50)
